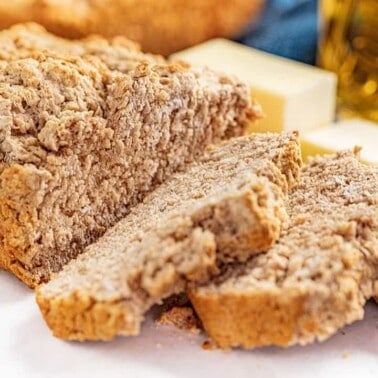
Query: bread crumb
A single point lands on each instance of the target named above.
(183, 318)
(208, 345)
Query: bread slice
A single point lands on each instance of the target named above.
(80, 144)
(118, 53)
(319, 275)
(160, 26)
(231, 202)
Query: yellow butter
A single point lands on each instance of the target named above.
(343, 135)
(294, 96)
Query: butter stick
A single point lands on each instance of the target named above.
(294, 96)
(343, 135)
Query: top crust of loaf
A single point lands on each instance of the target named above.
(317, 278)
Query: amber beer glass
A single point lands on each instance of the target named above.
(348, 45)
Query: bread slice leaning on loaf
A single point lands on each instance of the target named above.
(226, 207)
(316, 278)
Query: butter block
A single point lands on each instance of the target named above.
(343, 135)
(294, 96)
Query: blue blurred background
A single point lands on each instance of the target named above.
(287, 28)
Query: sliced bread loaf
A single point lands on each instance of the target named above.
(80, 144)
(318, 276)
(230, 202)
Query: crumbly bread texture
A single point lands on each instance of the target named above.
(80, 144)
(230, 199)
(316, 278)
(118, 53)
(161, 26)
(183, 318)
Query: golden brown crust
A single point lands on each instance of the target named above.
(251, 319)
(80, 318)
(159, 26)
(319, 275)
(19, 186)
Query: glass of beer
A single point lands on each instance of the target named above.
(348, 46)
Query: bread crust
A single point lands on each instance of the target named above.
(92, 320)
(250, 319)
(318, 276)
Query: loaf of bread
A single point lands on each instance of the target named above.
(161, 26)
(316, 278)
(81, 143)
(231, 203)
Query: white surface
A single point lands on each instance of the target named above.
(27, 349)
(293, 95)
